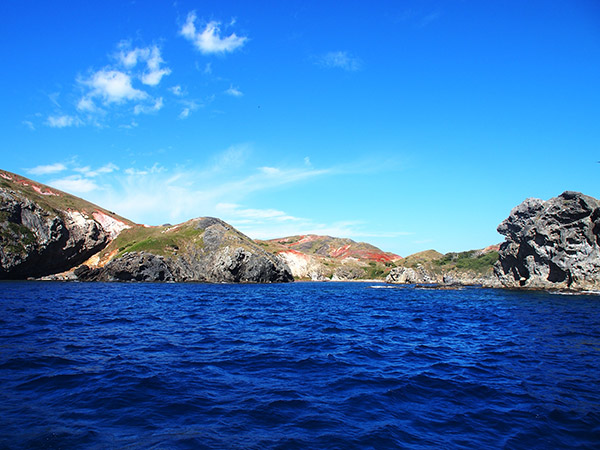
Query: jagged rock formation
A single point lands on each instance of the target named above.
(552, 244)
(40, 234)
(407, 275)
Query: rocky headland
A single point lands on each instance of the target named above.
(45, 231)
(553, 244)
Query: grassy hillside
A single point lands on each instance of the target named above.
(475, 261)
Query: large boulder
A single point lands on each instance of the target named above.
(552, 244)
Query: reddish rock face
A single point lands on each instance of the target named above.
(337, 248)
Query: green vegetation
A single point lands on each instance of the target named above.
(14, 236)
(156, 240)
(471, 260)
(375, 271)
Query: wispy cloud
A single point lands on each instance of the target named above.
(157, 194)
(234, 92)
(177, 90)
(87, 171)
(189, 106)
(340, 60)
(253, 214)
(28, 124)
(429, 18)
(47, 169)
(209, 40)
(147, 109)
(63, 121)
(151, 56)
(74, 184)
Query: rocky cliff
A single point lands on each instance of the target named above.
(552, 244)
(45, 231)
(48, 233)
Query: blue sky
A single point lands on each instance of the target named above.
(408, 124)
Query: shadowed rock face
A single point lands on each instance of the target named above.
(37, 241)
(552, 244)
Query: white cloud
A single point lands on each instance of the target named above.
(189, 107)
(209, 40)
(62, 121)
(47, 169)
(88, 172)
(152, 78)
(341, 60)
(233, 210)
(176, 90)
(28, 124)
(147, 109)
(86, 104)
(234, 92)
(156, 195)
(208, 68)
(129, 58)
(74, 184)
(113, 86)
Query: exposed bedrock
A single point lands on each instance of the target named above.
(37, 241)
(553, 244)
(225, 265)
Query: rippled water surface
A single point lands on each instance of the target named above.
(295, 366)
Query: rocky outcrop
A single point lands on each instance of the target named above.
(407, 275)
(225, 266)
(552, 244)
(205, 250)
(441, 276)
(36, 240)
(130, 267)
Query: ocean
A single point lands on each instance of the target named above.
(296, 366)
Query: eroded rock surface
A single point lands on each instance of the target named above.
(37, 241)
(215, 252)
(552, 244)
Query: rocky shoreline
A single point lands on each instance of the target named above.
(51, 235)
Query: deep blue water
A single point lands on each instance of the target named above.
(295, 366)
